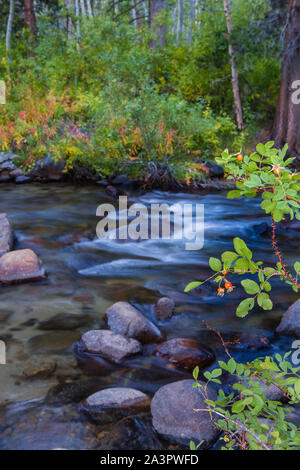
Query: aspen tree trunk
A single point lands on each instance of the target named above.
(69, 5)
(82, 7)
(286, 127)
(89, 8)
(179, 19)
(234, 71)
(191, 22)
(9, 25)
(133, 14)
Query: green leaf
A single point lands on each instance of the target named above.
(234, 194)
(238, 406)
(245, 306)
(231, 365)
(216, 373)
(241, 248)
(228, 257)
(251, 287)
(215, 264)
(196, 373)
(192, 286)
(264, 301)
(260, 149)
(277, 215)
(297, 267)
(242, 265)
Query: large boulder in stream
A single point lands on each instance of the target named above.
(185, 353)
(174, 414)
(126, 320)
(20, 266)
(112, 404)
(6, 235)
(290, 322)
(112, 346)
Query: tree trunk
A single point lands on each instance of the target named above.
(89, 8)
(82, 7)
(29, 16)
(286, 124)
(191, 22)
(235, 76)
(158, 26)
(179, 19)
(9, 25)
(69, 19)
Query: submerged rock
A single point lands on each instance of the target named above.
(164, 308)
(174, 416)
(39, 369)
(126, 320)
(112, 346)
(6, 234)
(113, 404)
(186, 353)
(20, 266)
(290, 322)
(64, 321)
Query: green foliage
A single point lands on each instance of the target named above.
(133, 104)
(247, 418)
(265, 173)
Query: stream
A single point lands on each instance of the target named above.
(85, 277)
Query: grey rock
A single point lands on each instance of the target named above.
(126, 320)
(7, 166)
(174, 416)
(164, 308)
(23, 179)
(5, 177)
(290, 322)
(113, 404)
(6, 234)
(48, 170)
(5, 157)
(16, 173)
(110, 345)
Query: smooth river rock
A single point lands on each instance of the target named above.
(112, 346)
(113, 404)
(6, 235)
(174, 416)
(164, 308)
(290, 322)
(20, 266)
(126, 320)
(185, 353)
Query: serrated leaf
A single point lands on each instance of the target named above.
(192, 286)
(215, 264)
(251, 287)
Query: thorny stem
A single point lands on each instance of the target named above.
(279, 257)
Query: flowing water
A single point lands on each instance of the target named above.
(85, 276)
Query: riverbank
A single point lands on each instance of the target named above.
(158, 176)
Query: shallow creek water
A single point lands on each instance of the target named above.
(85, 276)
